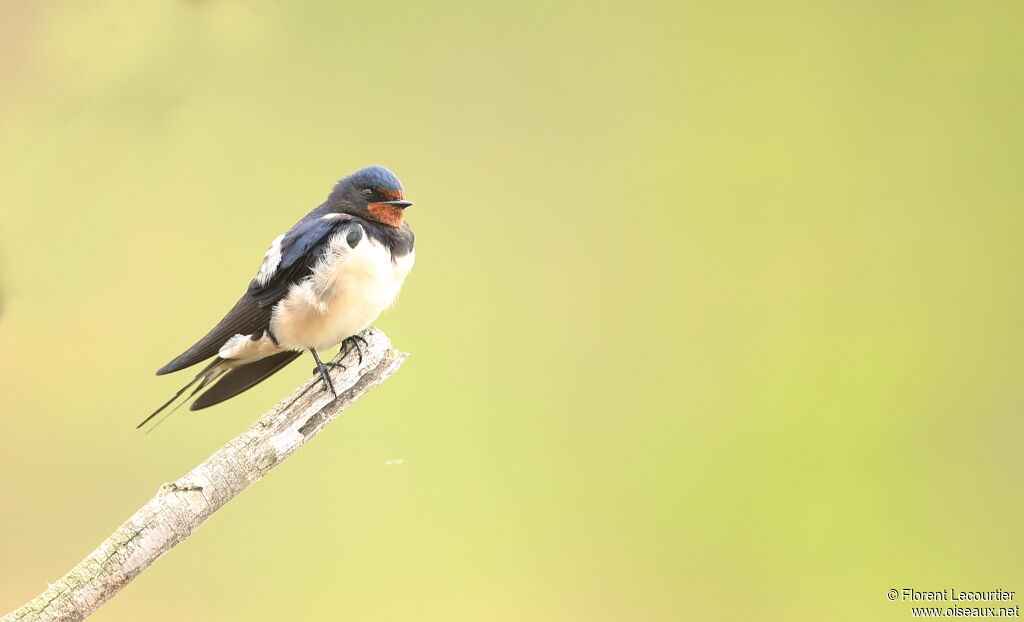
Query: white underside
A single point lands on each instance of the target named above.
(348, 290)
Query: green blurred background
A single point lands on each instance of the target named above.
(717, 312)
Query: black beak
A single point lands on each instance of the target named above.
(400, 204)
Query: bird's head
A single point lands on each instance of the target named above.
(373, 193)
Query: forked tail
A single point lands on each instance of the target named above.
(209, 373)
(227, 381)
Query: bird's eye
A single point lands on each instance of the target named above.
(368, 191)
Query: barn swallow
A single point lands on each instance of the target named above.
(320, 284)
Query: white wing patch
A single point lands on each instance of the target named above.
(242, 349)
(270, 261)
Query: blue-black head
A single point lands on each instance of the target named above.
(373, 193)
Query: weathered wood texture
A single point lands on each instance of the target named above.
(179, 507)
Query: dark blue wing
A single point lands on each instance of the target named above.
(300, 249)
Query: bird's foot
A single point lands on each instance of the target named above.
(326, 377)
(325, 374)
(348, 344)
(352, 343)
(330, 364)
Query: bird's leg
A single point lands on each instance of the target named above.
(324, 373)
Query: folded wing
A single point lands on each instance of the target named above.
(289, 260)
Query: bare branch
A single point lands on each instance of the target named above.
(179, 507)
